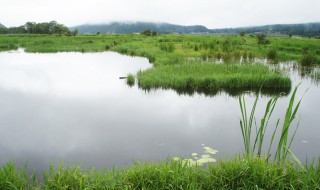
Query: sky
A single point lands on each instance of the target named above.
(210, 13)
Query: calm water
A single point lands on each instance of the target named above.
(72, 107)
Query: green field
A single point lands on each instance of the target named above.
(176, 56)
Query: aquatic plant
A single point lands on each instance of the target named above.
(131, 79)
(308, 59)
(247, 124)
(199, 159)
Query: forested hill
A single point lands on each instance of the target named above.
(124, 28)
(307, 29)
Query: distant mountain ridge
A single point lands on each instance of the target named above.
(304, 29)
(137, 27)
(2, 26)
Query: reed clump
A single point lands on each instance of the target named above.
(253, 143)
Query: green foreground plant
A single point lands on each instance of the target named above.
(285, 140)
(237, 173)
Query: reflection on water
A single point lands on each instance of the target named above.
(235, 92)
(73, 107)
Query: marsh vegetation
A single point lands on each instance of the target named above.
(188, 64)
(171, 51)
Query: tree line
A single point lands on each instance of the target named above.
(40, 28)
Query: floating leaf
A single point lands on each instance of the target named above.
(210, 150)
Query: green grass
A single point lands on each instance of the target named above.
(247, 122)
(235, 173)
(209, 78)
(131, 79)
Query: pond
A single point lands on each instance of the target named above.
(72, 107)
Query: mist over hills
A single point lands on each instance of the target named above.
(2, 26)
(304, 29)
(137, 27)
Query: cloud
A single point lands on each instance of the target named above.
(211, 13)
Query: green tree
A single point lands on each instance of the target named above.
(30, 27)
(4, 30)
(75, 32)
(149, 33)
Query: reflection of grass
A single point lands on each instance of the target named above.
(317, 73)
(232, 174)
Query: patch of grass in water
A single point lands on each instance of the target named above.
(131, 79)
(208, 77)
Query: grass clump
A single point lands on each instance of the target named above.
(167, 47)
(308, 58)
(131, 79)
(285, 140)
(13, 178)
(208, 77)
(272, 55)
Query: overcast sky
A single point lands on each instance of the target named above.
(210, 13)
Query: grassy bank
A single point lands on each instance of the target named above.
(232, 174)
(173, 50)
(170, 49)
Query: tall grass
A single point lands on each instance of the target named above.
(237, 173)
(308, 59)
(253, 148)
